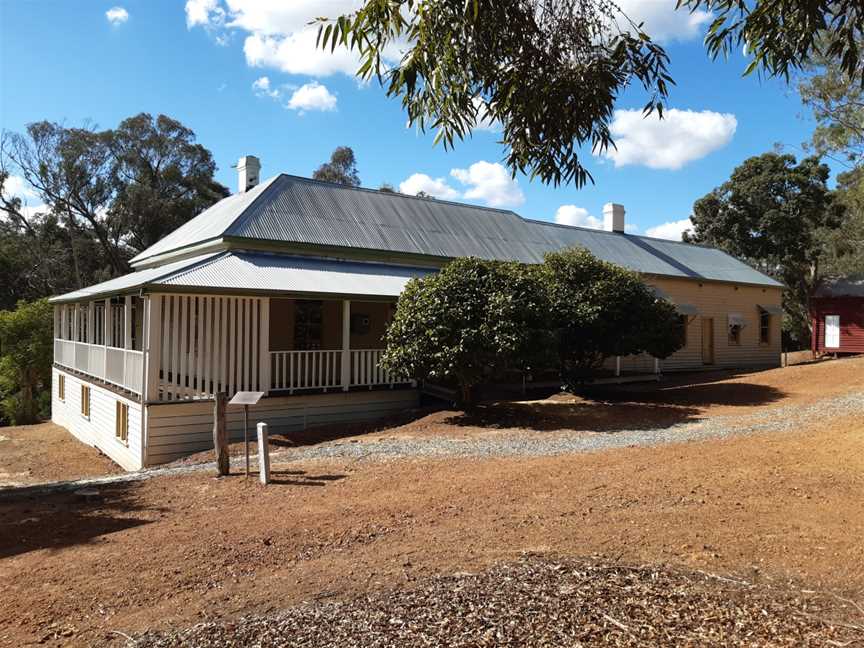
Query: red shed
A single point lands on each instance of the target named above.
(837, 311)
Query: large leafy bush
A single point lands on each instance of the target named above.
(476, 319)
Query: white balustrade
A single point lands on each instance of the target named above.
(121, 367)
(317, 369)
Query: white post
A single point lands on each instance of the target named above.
(106, 326)
(153, 355)
(346, 344)
(91, 322)
(263, 454)
(264, 345)
(127, 322)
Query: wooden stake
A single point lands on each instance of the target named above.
(220, 434)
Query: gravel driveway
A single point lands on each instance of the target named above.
(508, 444)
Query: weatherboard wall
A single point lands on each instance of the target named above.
(99, 428)
(717, 300)
(179, 429)
(850, 310)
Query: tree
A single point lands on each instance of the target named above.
(121, 189)
(476, 319)
(161, 178)
(845, 245)
(599, 310)
(550, 71)
(776, 213)
(783, 35)
(341, 169)
(386, 187)
(466, 323)
(837, 104)
(25, 362)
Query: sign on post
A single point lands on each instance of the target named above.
(246, 398)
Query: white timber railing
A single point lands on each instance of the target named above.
(366, 369)
(323, 369)
(120, 367)
(306, 370)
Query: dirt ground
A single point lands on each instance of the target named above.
(782, 509)
(31, 454)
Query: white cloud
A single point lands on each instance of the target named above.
(261, 88)
(117, 15)
(484, 121)
(682, 136)
(278, 34)
(312, 96)
(436, 187)
(662, 22)
(206, 13)
(297, 54)
(490, 183)
(17, 187)
(671, 230)
(577, 216)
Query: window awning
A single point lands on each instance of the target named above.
(687, 309)
(736, 319)
(683, 309)
(771, 309)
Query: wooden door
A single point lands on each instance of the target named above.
(707, 340)
(832, 331)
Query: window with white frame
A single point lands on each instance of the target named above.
(736, 325)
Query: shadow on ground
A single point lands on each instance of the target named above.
(62, 519)
(301, 478)
(613, 408)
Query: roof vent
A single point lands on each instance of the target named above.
(248, 168)
(613, 217)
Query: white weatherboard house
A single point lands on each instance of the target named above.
(287, 287)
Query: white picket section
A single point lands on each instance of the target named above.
(316, 369)
(209, 344)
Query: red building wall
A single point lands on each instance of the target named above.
(851, 312)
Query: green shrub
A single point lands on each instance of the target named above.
(475, 319)
(467, 323)
(25, 362)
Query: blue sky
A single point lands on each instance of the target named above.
(203, 62)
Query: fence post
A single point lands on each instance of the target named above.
(263, 454)
(220, 433)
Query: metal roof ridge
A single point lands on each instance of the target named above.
(397, 194)
(196, 265)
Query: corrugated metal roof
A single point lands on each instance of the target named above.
(257, 271)
(209, 224)
(841, 287)
(131, 281)
(290, 209)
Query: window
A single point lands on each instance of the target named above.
(121, 422)
(308, 320)
(61, 387)
(85, 401)
(736, 323)
(764, 327)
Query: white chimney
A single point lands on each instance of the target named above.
(613, 217)
(248, 168)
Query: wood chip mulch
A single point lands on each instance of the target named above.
(540, 602)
